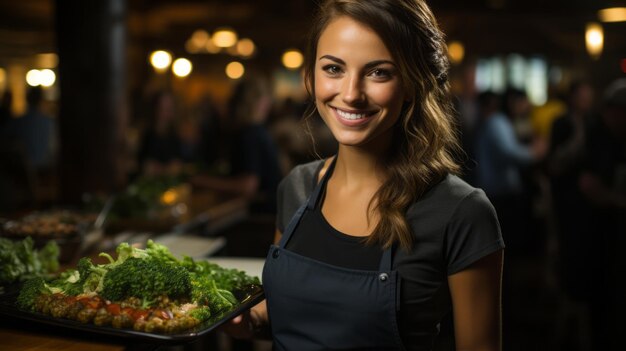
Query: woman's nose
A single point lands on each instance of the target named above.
(353, 92)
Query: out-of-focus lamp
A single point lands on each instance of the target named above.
(160, 60)
(197, 42)
(245, 47)
(33, 77)
(613, 14)
(594, 39)
(456, 51)
(47, 77)
(235, 70)
(182, 67)
(224, 38)
(292, 59)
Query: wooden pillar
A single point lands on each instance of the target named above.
(91, 37)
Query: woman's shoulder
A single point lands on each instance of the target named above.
(450, 194)
(300, 181)
(295, 188)
(306, 170)
(454, 188)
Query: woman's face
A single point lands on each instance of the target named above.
(358, 90)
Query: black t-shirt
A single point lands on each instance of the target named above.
(454, 225)
(317, 238)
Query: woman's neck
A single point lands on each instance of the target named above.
(358, 167)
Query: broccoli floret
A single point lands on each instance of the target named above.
(146, 279)
(30, 292)
(68, 283)
(225, 278)
(160, 252)
(202, 313)
(91, 276)
(206, 292)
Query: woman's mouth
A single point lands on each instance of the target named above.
(351, 115)
(353, 118)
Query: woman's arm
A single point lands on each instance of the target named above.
(254, 322)
(476, 302)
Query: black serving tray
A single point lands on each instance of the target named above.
(249, 297)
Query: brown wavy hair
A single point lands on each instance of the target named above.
(425, 143)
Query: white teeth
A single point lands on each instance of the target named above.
(352, 116)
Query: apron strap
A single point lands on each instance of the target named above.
(314, 199)
(386, 260)
(293, 223)
(310, 204)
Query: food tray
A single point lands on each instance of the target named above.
(250, 297)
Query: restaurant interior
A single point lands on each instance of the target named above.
(106, 75)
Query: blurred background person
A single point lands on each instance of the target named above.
(500, 157)
(542, 117)
(160, 149)
(34, 132)
(466, 106)
(209, 123)
(571, 210)
(602, 182)
(252, 154)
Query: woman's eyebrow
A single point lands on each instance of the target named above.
(367, 65)
(379, 62)
(332, 58)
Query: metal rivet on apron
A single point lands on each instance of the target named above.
(383, 277)
(276, 253)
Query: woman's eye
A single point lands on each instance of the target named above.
(380, 73)
(331, 69)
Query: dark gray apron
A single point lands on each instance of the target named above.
(313, 305)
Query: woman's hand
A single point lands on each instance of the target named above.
(248, 324)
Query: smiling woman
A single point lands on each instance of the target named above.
(376, 245)
(358, 93)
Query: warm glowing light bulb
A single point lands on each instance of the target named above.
(594, 39)
(224, 38)
(456, 51)
(293, 59)
(182, 67)
(197, 41)
(47, 77)
(245, 47)
(33, 77)
(235, 70)
(160, 60)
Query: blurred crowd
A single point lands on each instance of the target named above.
(556, 175)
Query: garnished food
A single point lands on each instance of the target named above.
(19, 260)
(147, 290)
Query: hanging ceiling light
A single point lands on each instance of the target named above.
(293, 59)
(594, 39)
(224, 37)
(160, 60)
